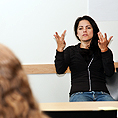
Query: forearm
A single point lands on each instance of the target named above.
(108, 63)
(61, 63)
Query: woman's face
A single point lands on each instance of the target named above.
(84, 30)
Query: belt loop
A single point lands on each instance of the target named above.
(93, 92)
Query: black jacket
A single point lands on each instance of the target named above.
(85, 76)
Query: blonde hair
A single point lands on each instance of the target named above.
(16, 98)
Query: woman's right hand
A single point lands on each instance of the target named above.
(60, 41)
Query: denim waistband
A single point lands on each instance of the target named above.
(92, 92)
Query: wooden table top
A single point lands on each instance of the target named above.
(79, 106)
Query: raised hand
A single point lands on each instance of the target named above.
(103, 42)
(60, 41)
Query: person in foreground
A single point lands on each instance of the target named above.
(89, 61)
(16, 98)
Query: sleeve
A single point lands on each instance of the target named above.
(108, 63)
(62, 60)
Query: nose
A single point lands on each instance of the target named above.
(84, 29)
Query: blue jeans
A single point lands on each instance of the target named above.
(90, 96)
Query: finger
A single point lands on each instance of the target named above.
(63, 34)
(105, 36)
(100, 36)
(110, 38)
(99, 42)
(64, 43)
(57, 34)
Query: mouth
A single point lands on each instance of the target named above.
(85, 35)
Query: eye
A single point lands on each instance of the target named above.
(89, 27)
(80, 28)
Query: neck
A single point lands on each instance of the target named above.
(85, 45)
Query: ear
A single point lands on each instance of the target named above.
(77, 34)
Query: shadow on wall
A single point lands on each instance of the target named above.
(112, 85)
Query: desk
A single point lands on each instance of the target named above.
(87, 107)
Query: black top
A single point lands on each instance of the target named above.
(88, 68)
(86, 54)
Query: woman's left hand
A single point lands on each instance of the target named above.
(103, 42)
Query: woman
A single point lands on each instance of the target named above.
(89, 61)
(16, 98)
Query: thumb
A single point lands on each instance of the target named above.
(110, 38)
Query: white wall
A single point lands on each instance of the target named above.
(105, 12)
(27, 27)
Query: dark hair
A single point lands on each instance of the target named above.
(95, 38)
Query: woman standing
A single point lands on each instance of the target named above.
(89, 61)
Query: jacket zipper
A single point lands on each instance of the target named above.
(89, 74)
